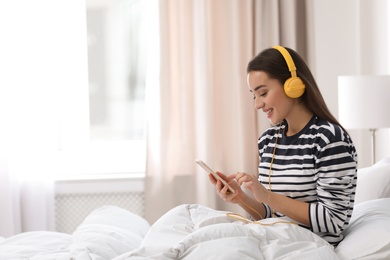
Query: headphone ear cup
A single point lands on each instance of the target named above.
(294, 87)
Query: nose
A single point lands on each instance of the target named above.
(258, 103)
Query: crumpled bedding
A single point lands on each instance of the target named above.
(197, 232)
(107, 232)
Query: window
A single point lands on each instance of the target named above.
(55, 123)
(118, 32)
(117, 69)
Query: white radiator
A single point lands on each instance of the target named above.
(75, 199)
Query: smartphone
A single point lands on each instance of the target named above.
(216, 176)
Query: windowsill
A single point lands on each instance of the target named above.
(101, 176)
(116, 160)
(96, 161)
(98, 183)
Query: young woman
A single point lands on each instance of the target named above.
(308, 163)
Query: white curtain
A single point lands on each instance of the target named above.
(204, 109)
(9, 197)
(42, 53)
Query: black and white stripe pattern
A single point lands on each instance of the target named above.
(318, 166)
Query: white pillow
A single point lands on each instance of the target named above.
(108, 232)
(114, 216)
(373, 182)
(368, 234)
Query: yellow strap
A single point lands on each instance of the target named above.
(287, 57)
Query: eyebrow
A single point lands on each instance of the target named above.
(257, 88)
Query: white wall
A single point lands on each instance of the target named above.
(352, 37)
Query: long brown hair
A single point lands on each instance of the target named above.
(273, 63)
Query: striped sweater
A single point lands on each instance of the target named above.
(318, 165)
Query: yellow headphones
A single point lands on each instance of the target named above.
(294, 86)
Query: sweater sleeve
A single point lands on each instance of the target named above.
(336, 170)
(268, 211)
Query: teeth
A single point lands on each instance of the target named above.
(270, 111)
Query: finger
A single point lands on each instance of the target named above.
(242, 179)
(223, 176)
(224, 188)
(248, 184)
(223, 194)
(218, 186)
(240, 175)
(212, 179)
(234, 184)
(229, 196)
(230, 177)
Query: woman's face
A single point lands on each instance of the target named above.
(269, 96)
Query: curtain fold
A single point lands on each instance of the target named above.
(26, 190)
(283, 22)
(10, 223)
(204, 110)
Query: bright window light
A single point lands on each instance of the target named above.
(55, 119)
(117, 52)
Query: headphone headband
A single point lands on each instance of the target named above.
(287, 57)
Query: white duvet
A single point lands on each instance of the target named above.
(106, 233)
(198, 232)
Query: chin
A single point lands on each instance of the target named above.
(275, 123)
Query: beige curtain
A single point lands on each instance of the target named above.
(204, 109)
(283, 22)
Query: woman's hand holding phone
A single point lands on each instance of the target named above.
(214, 174)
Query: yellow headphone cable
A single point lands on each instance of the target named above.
(242, 218)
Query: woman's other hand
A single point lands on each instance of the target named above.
(251, 183)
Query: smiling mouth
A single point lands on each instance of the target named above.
(269, 112)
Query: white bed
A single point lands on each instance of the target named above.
(198, 232)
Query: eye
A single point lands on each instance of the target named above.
(262, 94)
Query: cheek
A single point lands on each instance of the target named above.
(279, 97)
(281, 103)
